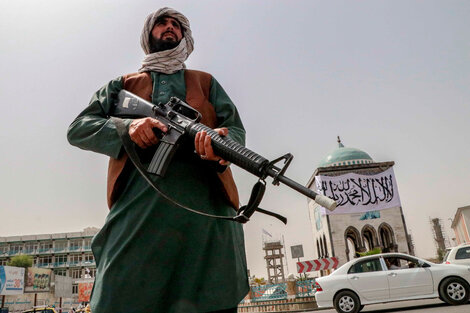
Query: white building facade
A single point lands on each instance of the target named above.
(461, 225)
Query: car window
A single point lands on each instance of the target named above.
(370, 265)
(446, 255)
(463, 253)
(399, 263)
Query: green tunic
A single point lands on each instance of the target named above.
(152, 256)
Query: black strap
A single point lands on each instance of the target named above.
(243, 214)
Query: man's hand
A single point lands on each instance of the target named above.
(141, 131)
(202, 143)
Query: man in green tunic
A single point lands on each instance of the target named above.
(151, 255)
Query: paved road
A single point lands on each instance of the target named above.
(415, 306)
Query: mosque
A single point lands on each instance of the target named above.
(369, 213)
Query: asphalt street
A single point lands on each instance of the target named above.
(414, 306)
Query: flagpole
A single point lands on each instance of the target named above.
(285, 254)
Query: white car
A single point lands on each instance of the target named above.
(458, 255)
(391, 277)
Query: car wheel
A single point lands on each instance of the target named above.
(361, 307)
(347, 302)
(454, 290)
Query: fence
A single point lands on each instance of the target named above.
(303, 289)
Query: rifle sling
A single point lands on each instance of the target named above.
(243, 214)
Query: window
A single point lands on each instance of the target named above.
(45, 246)
(60, 259)
(75, 259)
(76, 273)
(3, 262)
(90, 272)
(371, 265)
(463, 253)
(61, 272)
(446, 255)
(399, 263)
(75, 244)
(45, 260)
(3, 248)
(60, 245)
(88, 259)
(16, 248)
(30, 247)
(87, 243)
(74, 289)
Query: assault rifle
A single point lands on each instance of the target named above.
(182, 120)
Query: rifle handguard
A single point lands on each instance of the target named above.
(231, 150)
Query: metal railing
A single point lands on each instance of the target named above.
(45, 250)
(60, 264)
(75, 263)
(305, 288)
(269, 292)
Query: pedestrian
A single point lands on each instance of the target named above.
(151, 255)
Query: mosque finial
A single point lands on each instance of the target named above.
(339, 143)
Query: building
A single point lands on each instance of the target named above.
(67, 254)
(369, 213)
(461, 225)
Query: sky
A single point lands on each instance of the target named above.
(390, 77)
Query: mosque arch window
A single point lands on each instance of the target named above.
(369, 236)
(318, 249)
(321, 248)
(326, 246)
(353, 242)
(387, 238)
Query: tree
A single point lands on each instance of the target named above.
(21, 261)
(440, 255)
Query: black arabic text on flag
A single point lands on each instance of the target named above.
(360, 193)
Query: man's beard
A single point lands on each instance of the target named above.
(157, 45)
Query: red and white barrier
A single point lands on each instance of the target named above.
(317, 265)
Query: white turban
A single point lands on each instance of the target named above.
(167, 61)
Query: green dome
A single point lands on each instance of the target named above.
(345, 156)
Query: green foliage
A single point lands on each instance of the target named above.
(370, 252)
(257, 281)
(21, 261)
(303, 277)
